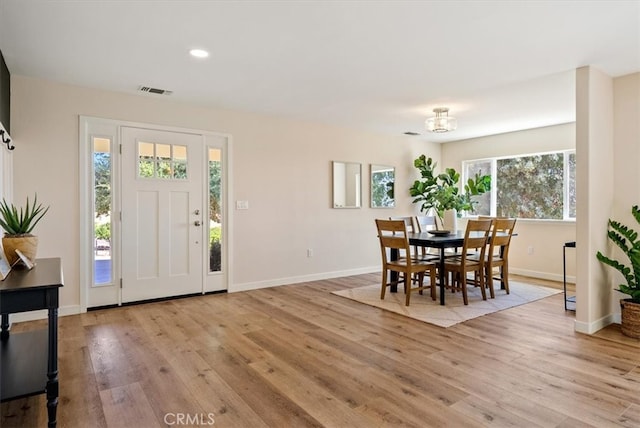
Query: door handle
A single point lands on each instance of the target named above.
(197, 223)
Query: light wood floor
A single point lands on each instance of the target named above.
(298, 356)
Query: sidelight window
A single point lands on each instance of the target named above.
(102, 197)
(215, 210)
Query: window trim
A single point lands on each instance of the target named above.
(494, 188)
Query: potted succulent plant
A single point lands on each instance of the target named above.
(627, 240)
(441, 193)
(18, 223)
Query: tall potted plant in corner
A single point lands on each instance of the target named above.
(627, 240)
(18, 223)
(441, 193)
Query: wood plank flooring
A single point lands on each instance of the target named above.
(298, 356)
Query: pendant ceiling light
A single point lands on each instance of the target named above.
(441, 122)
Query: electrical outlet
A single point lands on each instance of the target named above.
(309, 252)
(530, 250)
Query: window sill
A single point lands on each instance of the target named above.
(535, 220)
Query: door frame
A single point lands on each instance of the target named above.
(89, 126)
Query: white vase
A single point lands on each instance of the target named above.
(451, 221)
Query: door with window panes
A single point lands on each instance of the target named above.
(163, 214)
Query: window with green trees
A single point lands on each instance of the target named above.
(215, 210)
(537, 186)
(102, 197)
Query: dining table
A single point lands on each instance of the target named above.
(441, 242)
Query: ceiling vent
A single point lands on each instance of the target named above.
(151, 90)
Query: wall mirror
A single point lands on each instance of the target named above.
(347, 186)
(383, 179)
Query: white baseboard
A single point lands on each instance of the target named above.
(592, 327)
(299, 279)
(580, 327)
(43, 314)
(542, 275)
(371, 269)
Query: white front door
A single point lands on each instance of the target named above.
(162, 214)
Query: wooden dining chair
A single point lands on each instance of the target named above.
(476, 237)
(476, 253)
(424, 223)
(408, 224)
(392, 235)
(497, 256)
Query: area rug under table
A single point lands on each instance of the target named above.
(422, 308)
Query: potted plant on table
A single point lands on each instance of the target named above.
(627, 240)
(18, 223)
(441, 193)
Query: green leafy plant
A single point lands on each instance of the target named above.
(215, 233)
(215, 249)
(21, 221)
(441, 191)
(627, 240)
(103, 231)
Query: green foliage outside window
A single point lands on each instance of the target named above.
(215, 234)
(215, 193)
(103, 231)
(572, 185)
(482, 201)
(146, 168)
(531, 186)
(102, 182)
(215, 215)
(536, 186)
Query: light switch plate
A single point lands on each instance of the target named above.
(242, 205)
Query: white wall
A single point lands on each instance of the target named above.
(546, 238)
(626, 152)
(594, 178)
(626, 159)
(282, 167)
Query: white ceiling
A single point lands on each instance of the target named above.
(375, 65)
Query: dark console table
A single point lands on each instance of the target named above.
(569, 301)
(29, 360)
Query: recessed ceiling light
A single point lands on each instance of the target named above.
(199, 53)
